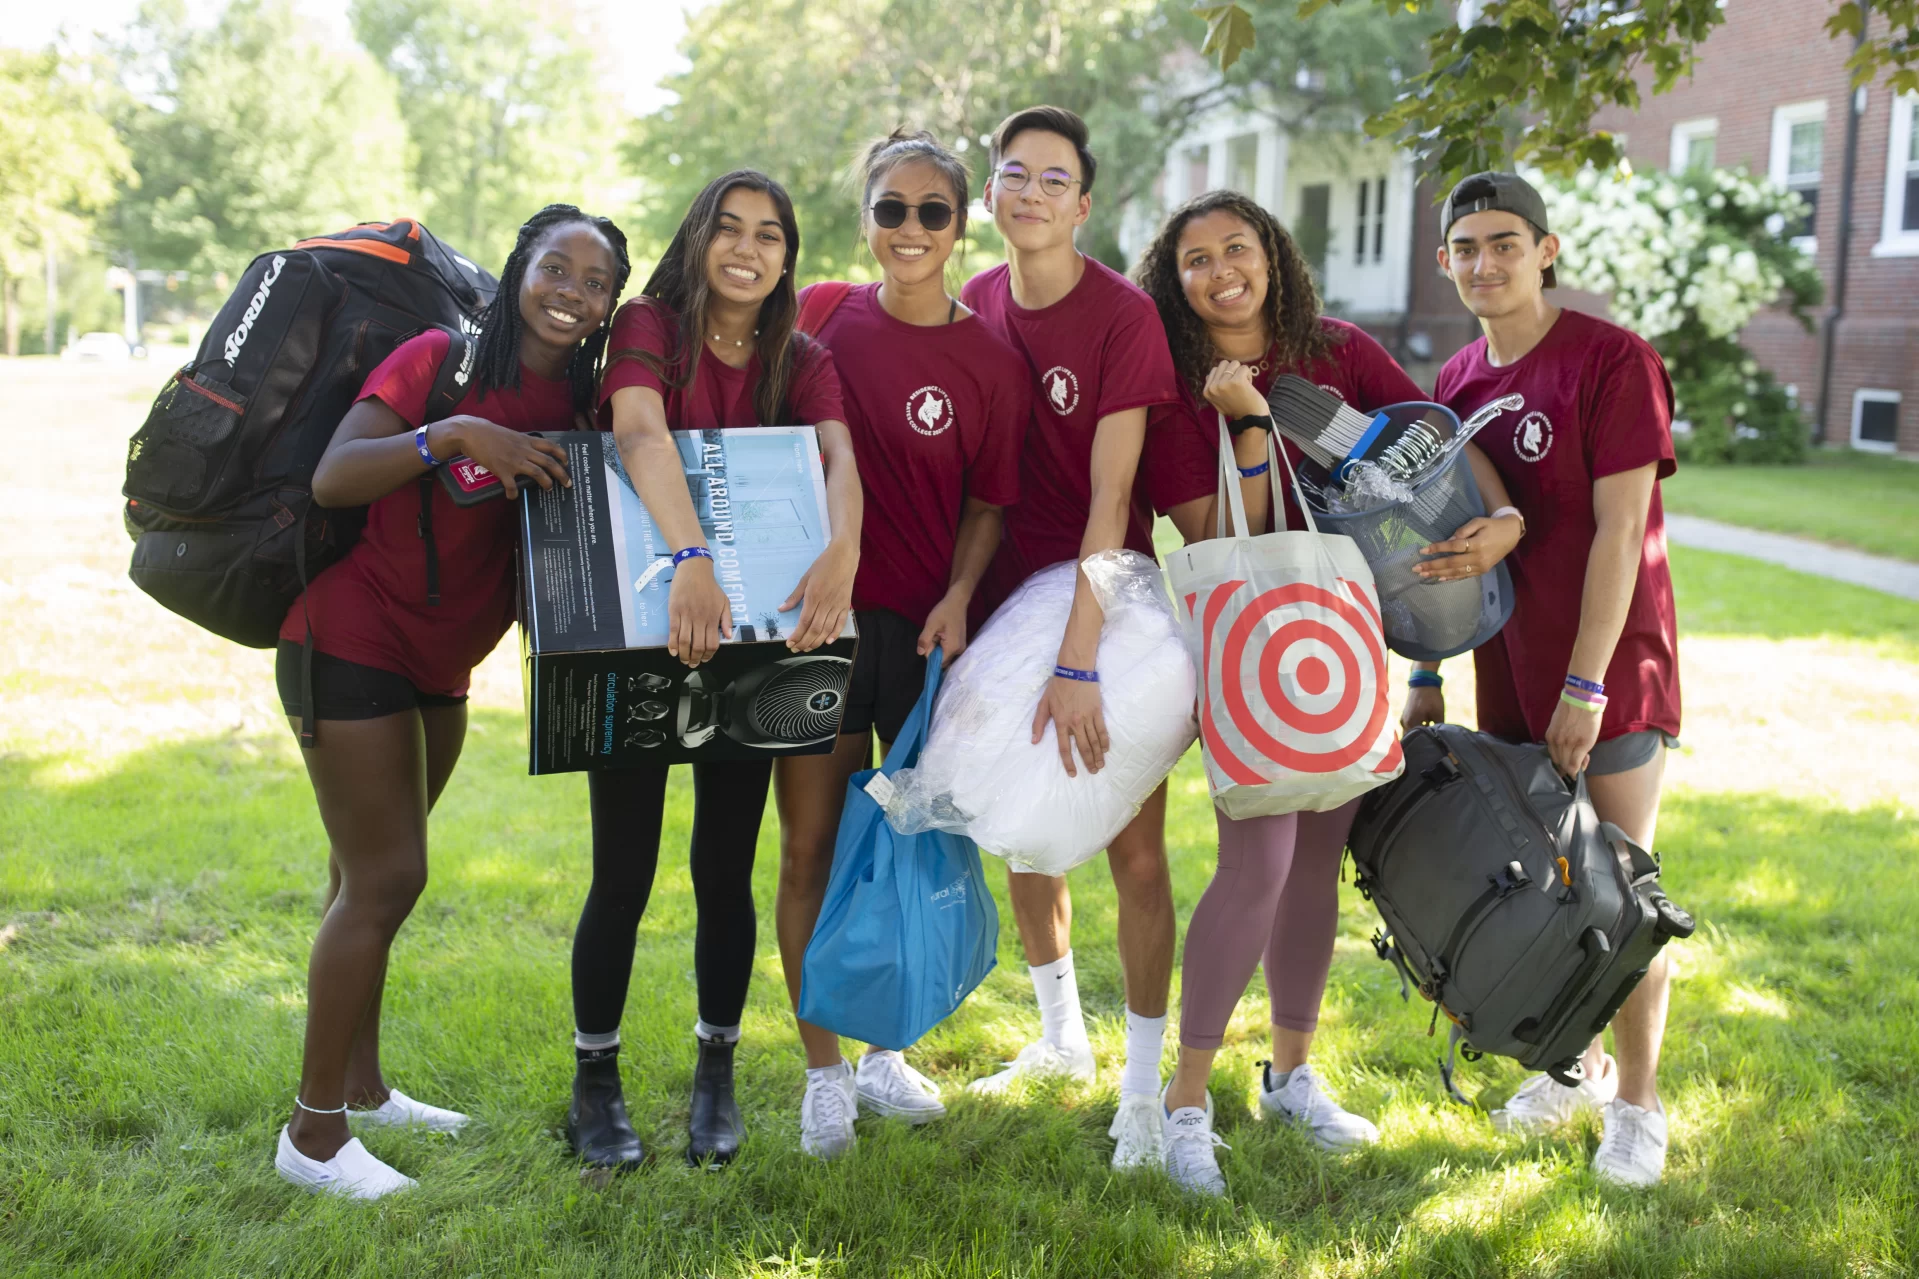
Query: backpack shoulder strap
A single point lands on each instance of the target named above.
(454, 379)
(817, 307)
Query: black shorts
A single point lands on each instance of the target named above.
(888, 673)
(348, 690)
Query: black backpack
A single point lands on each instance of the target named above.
(1511, 906)
(219, 497)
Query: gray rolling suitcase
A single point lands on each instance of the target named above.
(1511, 906)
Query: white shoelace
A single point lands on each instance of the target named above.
(1185, 1149)
(830, 1106)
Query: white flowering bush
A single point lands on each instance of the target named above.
(1686, 262)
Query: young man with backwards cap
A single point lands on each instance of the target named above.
(1588, 663)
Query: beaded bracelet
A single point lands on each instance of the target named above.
(1586, 685)
(691, 553)
(1069, 672)
(1254, 472)
(1425, 679)
(1595, 706)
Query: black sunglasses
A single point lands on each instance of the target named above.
(934, 215)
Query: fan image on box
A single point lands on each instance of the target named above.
(796, 701)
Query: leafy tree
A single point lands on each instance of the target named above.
(1558, 63)
(796, 88)
(249, 134)
(505, 107)
(59, 163)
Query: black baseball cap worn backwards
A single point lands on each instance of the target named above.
(1497, 192)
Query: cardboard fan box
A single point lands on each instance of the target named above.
(601, 689)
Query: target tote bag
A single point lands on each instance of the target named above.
(1285, 629)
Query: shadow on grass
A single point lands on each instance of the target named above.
(151, 994)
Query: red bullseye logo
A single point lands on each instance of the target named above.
(1315, 659)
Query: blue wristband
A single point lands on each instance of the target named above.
(691, 553)
(1425, 679)
(1068, 672)
(1586, 685)
(1253, 473)
(419, 442)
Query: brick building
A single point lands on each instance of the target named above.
(1770, 92)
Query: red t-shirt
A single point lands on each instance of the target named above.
(938, 414)
(1099, 350)
(1181, 459)
(1598, 402)
(719, 395)
(371, 607)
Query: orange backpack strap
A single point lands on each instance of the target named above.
(818, 305)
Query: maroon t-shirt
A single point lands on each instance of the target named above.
(719, 395)
(1099, 350)
(938, 414)
(1598, 402)
(371, 607)
(1181, 459)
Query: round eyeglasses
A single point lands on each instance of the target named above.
(1013, 177)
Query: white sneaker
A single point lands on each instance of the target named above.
(1135, 1132)
(1039, 1060)
(401, 1111)
(1543, 1103)
(353, 1171)
(827, 1112)
(1633, 1150)
(1189, 1141)
(1304, 1102)
(888, 1086)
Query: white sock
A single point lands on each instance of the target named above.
(823, 1074)
(1057, 988)
(1145, 1041)
(725, 1034)
(596, 1042)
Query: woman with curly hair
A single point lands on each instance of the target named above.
(1240, 308)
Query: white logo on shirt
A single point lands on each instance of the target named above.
(1060, 388)
(929, 410)
(1333, 391)
(1533, 438)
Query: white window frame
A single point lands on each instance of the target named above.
(1783, 118)
(1875, 395)
(1894, 240)
(1684, 134)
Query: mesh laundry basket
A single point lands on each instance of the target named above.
(1424, 621)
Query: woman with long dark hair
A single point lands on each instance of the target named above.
(709, 344)
(1240, 308)
(390, 665)
(938, 405)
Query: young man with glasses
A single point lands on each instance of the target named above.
(1099, 361)
(1589, 662)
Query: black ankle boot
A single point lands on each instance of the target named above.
(714, 1126)
(596, 1124)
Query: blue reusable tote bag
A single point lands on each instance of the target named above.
(908, 928)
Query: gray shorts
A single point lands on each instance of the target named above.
(1624, 753)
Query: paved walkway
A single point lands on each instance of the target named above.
(1877, 572)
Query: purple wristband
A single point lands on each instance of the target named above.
(1068, 672)
(1587, 685)
(691, 553)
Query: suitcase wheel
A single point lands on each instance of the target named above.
(1570, 1072)
(1672, 922)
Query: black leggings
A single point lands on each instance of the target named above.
(628, 804)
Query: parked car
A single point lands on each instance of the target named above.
(102, 347)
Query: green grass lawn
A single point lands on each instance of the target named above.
(154, 922)
(1842, 496)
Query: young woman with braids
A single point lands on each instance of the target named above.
(391, 666)
(938, 405)
(1240, 308)
(710, 344)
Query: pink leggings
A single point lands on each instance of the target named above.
(1276, 893)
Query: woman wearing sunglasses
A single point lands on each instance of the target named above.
(937, 405)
